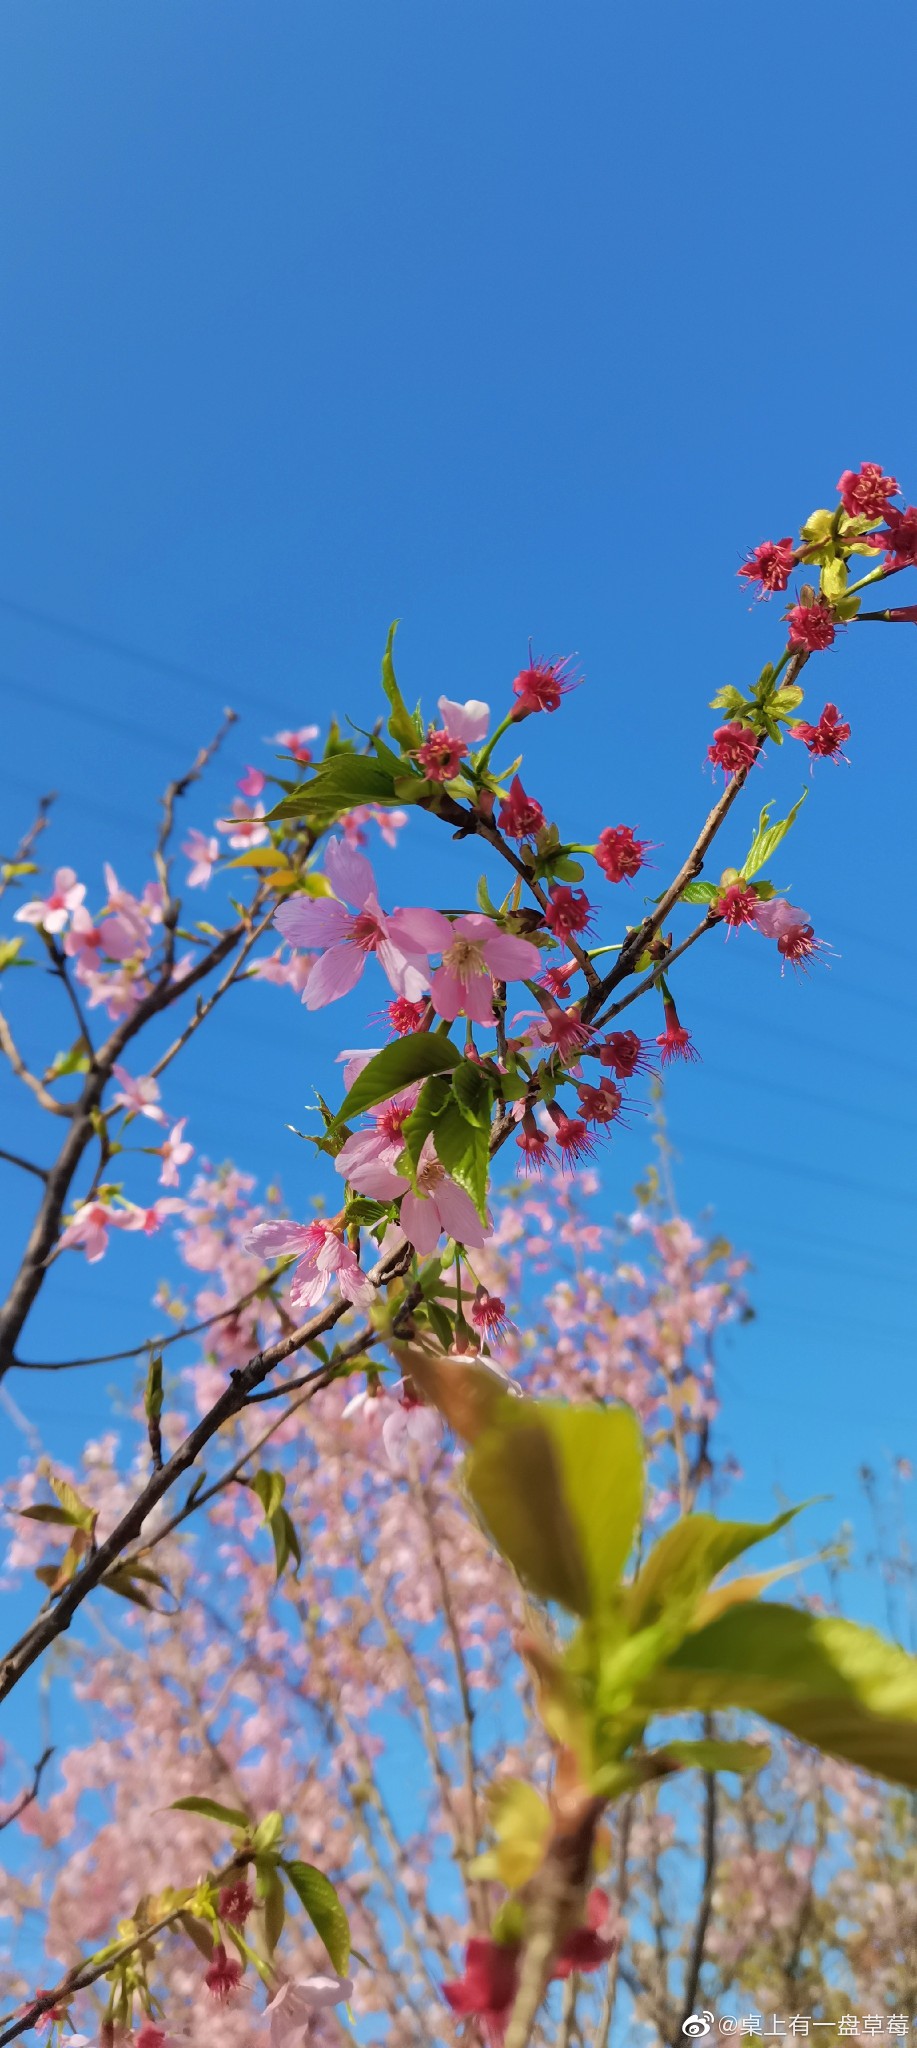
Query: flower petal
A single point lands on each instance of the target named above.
(349, 873)
(312, 921)
(420, 1224)
(334, 974)
(458, 1215)
(511, 958)
(420, 931)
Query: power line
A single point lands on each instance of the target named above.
(123, 650)
(107, 721)
(822, 1175)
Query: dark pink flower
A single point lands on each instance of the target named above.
(557, 979)
(602, 1104)
(236, 1903)
(737, 905)
(569, 910)
(734, 747)
(541, 686)
(625, 1054)
(865, 492)
(573, 1137)
(588, 1947)
(321, 1254)
(899, 537)
(520, 816)
(812, 626)
(405, 1018)
(223, 1974)
(825, 740)
(770, 565)
(620, 854)
(534, 1146)
(441, 755)
(487, 1987)
(488, 1315)
(675, 1041)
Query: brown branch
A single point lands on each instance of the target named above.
(705, 1903)
(222, 1315)
(23, 1073)
(27, 1165)
(477, 1891)
(53, 1621)
(30, 1794)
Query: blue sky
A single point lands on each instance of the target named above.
(508, 321)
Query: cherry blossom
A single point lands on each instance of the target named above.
(770, 564)
(474, 954)
(865, 492)
(245, 825)
(347, 938)
(203, 851)
(291, 2008)
(296, 742)
(321, 1255)
(139, 1097)
(52, 913)
(176, 1152)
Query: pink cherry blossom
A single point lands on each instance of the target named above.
(777, 917)
(84, 940)
(348, 937)
(52, 912)
(438, 1204)
(296, 742)
(291, 2009)
(88, 1230)
(468, 721)
(203, 852)
(390, 823)
(139, 1097)
(475, 953)
(292, 973)
(245, 825)
(252, 783)
(176, 1152)
(320, 1253)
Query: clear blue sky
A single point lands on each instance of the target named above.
(509, 320)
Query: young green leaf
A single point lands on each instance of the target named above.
(339, 784)
(395, 1067)
(403, 725)
(768, 837)
(561, 1490)
(317, 1894)
(841, 1688)
(231, 1816)
(719, 1756)
(682, 1564)
(463, 1148)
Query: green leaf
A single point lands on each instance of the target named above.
(729, 700)
(317, 1894)
(274, 1905)
(339, 784)
(44, 1512)
(719, 1756)
(78, 1512)
(395, 1067)
(842, 1688)
(786, 700)
(231, 1816)
(404, 726)
(768, 837)
(561, 1490)
(430, 1104)
(268, 1832)
(463, 1149)
(286, 1542)
(152, 1399)
(699, 892)
(10, 950)
(474, 1092)
(682, 1564)
(834, 578)
(270, 1488)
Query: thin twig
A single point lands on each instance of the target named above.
(27, 1165)
(27, 842)
(27, 1797)
(23, 1073)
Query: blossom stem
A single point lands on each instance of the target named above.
(875, 576)
(482, 759)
